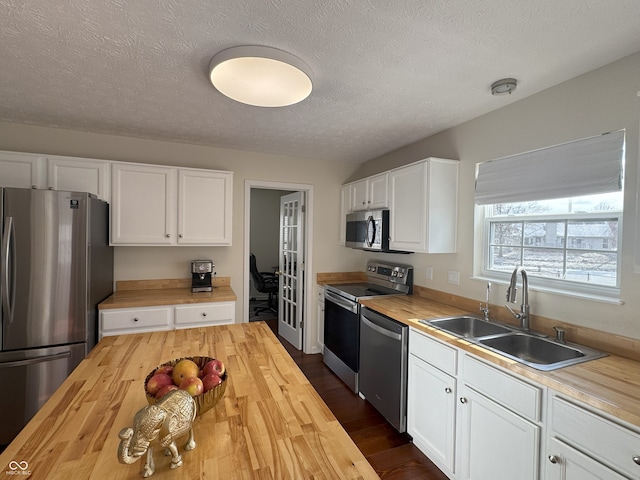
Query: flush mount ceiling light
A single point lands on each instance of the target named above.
(504, 86)
(260, 76)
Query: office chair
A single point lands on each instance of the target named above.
(264, 282)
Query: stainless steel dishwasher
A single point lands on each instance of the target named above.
(383, 365)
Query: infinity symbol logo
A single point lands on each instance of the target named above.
(13, 465)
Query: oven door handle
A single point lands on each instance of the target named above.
(341, 302)
(379, 329)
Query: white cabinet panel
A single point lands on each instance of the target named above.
(567, 463)
(359, 193)
(493, 442)
(119, 321)
(21, 170)
(204, 314)
(154, 205)
(143, 205)
(204, 207)
(601, 439)
(370, 193)
(423, 204)
(431, 412)
(378, 191)
(521, 397)
(80, 175)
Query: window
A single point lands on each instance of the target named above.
(574, 239)
(565, 244)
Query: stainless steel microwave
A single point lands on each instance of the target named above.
(368, 230)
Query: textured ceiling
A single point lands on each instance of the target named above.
(385, 73)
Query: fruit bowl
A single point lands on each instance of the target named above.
(205, 401)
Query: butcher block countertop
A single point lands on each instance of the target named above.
(270, 423)
(611, 384)
(149, 293)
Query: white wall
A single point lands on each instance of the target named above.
(597, 102)
(174, 262)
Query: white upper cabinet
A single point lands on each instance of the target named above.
(154, 205)
(370, 193)
(345, 208)
(79, 175)
(21, 170)
(204, 207)
(143, 206)
(423, 204)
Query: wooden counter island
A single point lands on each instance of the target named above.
(270, 423)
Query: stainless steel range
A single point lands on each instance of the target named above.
(342, 315)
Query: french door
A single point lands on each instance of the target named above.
(291, 269)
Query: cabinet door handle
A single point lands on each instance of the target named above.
(447, 390)
(204, 314)
(553, 459)
(135, 319)
(463, 400)
(636, 459)
(180, 235)
(168, 235)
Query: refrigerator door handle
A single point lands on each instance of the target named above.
(34, 360)
(8, 269)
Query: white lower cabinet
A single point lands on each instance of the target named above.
(431, 412)
(584, 444)
(119, 321)
(567, 463)
(474, 421)
(477, 421)
(204, 314)
(494, 442)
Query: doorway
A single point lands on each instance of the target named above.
(267, 241)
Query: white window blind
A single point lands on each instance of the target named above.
(583, 167)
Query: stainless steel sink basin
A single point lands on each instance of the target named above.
(539, 353)
(467, 326)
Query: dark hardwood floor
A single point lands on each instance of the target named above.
(391, 454)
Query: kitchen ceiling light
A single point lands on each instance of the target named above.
(504, 86)
(260, 76)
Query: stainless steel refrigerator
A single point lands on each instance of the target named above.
(56, 266)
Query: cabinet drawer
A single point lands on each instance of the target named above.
(518, 396)
(604, 440)
(135, 320)
(438, 354)
(205, 314)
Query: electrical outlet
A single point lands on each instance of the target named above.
(429, 273)
(454, 277)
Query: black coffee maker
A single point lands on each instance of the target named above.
(201, 271)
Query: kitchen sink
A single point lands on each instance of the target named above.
(528, 348)
(537, 352)
(467, 326)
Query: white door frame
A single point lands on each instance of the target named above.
(309, 300)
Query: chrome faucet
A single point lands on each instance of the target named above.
(523, 316)
(485, 309)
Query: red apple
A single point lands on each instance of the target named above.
(166, 369)
(164, 390)
(193, 385)
(214, 366)
(210, 381)
(158, 381)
